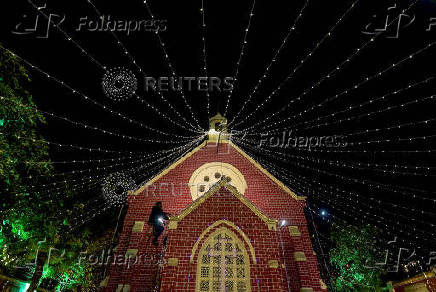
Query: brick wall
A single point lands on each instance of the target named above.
(173, 191)
(223, 205)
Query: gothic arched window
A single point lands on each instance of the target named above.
(223, 263)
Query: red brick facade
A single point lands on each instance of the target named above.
(173, 191)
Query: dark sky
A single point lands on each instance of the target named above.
(225, 25)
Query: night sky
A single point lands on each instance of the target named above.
(340, 190)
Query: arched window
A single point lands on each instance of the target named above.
(223, 263)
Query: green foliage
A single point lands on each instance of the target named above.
(22, 151)
(354, 258)
(31, 220)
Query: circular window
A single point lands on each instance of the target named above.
(207, 175)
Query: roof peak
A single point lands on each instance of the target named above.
(218, 128)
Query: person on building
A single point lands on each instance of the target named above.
(156, 219)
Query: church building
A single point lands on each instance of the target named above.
(233, 227)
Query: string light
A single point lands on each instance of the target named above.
(355, 86)
(87, 98)
(173, 71)
(346, 91)
(351, 108)
(203, 38)
(138, 154)
(100, 210)
(376, 185)
(301, 63)
(85, 52)
(350, 207)
(397, 232)
(241, 54)
(340, 164)
(127, 53)
(336, 69)
(357, 143)
(274, 59)
(353, 194)
(70, 39)
(119, 83)
(140, 160)
(333, 196)
(110, 133)
(115, 187)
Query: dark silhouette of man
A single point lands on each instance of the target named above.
(156, 219)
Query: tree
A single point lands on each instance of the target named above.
(23, 153)
(354, 256)
(32, 219)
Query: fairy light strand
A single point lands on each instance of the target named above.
(355, 200)
(89, 99)
(300, 64)
(172, 69)
(273, 60)
(204, 52)
(360, 210)
(336, 69)
(350, 108)
(376, 185)
(241, 54)
(348, 90)
(135, 63)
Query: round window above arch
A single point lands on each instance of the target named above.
(210, 173)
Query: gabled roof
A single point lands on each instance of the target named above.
(224, 183)
(239, 150)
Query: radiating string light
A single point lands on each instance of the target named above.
(400, 232)
(111, 166)
(82, 220)
(110, 133)
(354, 165)
(241, 54)
(354, 198)
(355, 86)
(380, 220)
(336, 69)
(93, 59)
(377, 185)
(204, 52)
(135, 63)
(89, 99)
(172, 69)
(350, 108)
(300, 64)
(343, 93)
(273, 60)
(70, 39)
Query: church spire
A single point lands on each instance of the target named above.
(218, 128)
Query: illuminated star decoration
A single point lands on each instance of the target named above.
(119, 83)
(115, 188)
